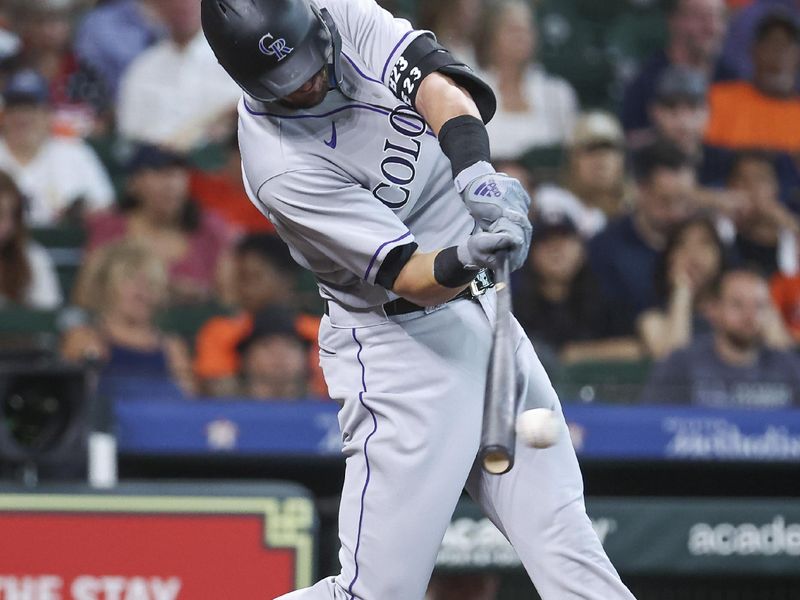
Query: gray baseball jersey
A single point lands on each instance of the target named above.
(345, 183)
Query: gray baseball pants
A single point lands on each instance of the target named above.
(412, 390)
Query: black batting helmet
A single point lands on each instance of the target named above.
(271, 47)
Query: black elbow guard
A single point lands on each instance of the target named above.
(424, 56)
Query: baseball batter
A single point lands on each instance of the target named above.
(363, 141)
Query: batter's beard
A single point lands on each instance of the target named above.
(302, 101)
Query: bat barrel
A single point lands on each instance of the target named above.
(499, 438)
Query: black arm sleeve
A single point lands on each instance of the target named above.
(393, 264)
(424, 56)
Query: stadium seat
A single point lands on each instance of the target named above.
(186, 321)
(27, 334)
(17, 320)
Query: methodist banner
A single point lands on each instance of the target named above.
(156, 542)
(311, 430)
(656, 537)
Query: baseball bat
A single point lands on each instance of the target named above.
(500, 406)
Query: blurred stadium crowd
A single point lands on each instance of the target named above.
(659, 140)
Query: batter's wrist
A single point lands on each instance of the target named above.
(449, 271)
(465, 141)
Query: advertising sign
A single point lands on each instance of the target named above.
(157, 543)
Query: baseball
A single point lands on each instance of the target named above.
(538, 427)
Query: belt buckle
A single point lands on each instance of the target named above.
(481, 283)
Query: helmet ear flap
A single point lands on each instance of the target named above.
(336, 41)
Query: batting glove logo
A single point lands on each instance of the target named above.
(277, 48)
(489, 188)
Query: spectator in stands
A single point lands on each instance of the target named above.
(265, 278)
(455, 23)
(679, 113)
(732, 367)
(534, 108)
(624, 256)
(766, 225)
(175, 94)
(696, 32)
(786, 296)
(763, 113)
(222, 193)
(742, 30)
(687, 272)
(560, 305)
(27, 275)
(274, 358)
(114, 33)
(78, 94)
(62, 178)
(158, 211)
(127, 289)
(594, 187)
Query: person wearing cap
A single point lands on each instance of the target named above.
(274, 364)
(696, 32)
(624, 255)
(742, 27)
(763, 113)
(594, 186)
(680, 114)
(159, 211)
(62, 178)
(112, 34)
(175, 94)
(265, 277)
(679, 109)
(78, 94)
(559, 303)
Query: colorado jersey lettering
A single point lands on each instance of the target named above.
(349, 180)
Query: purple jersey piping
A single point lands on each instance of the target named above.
(391, 54)
(377, 109)
(359, 71)
(378, 251)
(366, 460)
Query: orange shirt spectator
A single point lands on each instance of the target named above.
(219, 194)
(764, 113)
(265, 277)
(217, 355)
(222, 193)
(786, 295)
(742, 117)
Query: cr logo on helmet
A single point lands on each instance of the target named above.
(277, 48)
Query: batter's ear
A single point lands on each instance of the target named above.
(425, 56)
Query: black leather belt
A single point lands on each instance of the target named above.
(483, 281)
